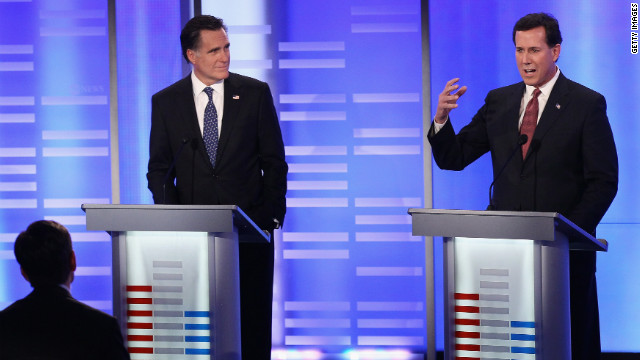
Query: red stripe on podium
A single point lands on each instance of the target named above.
(468, 347)
(468, 309)
(461, 296)
(138, 300)
(466, 358)
(139, 325)
(139, 337)
(139, 313)
(140, 350)
(468, 334)
(143, 288)
(475, 322)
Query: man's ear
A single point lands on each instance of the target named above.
(192, 56)
(73, 261)
(556, 52)
(24, 274)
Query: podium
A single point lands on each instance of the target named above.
(506, 282)
(176, 289)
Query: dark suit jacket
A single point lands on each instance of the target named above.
(571, 166)
(50, 324)
(250, 169)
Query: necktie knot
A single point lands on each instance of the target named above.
(209, 92)
(536, 92)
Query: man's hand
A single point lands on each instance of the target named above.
(448, 101)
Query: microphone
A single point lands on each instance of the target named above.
(173, 164)
(522, 139)
(194, 147)
(534, 146)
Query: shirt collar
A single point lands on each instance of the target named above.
(546, 88)
(198, 85)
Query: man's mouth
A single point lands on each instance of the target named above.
(529, 71)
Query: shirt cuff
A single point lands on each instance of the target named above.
(437, 127)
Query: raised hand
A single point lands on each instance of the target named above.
(448, 100)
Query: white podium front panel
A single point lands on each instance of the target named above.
(493, 298)
(167, 295)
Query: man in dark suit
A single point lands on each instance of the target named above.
(567, 162)
(49, 323)
(217, 136)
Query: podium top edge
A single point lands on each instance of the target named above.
(160, 207)
(578, 238)
(209, 218)
(487, 213)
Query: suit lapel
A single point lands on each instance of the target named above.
(232, 98)
(188, 106)
(557, 102)
(513, 113)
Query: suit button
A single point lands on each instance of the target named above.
(522, 177)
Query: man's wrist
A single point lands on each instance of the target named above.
(438, 126)
(440, 121)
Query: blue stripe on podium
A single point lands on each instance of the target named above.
(196, 314)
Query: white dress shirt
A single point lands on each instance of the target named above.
(545, 91)
(201, 99)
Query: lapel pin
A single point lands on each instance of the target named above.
(237, 97)
(558, 106)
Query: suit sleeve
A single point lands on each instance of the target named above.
(455, 152)
(160, 158)
(272, 161)
(114, 343)
(600, 164)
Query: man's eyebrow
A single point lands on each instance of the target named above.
(219, 47)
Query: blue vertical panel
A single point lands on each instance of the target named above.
(17, 153)
(149, 59)
(346, 80)
(54, 133)
(473, 40)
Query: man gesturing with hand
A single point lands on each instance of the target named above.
(567, 164)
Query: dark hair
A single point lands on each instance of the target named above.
(550, 24)
(44, 253)
(190, 35)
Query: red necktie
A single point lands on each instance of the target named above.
(529, 121)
